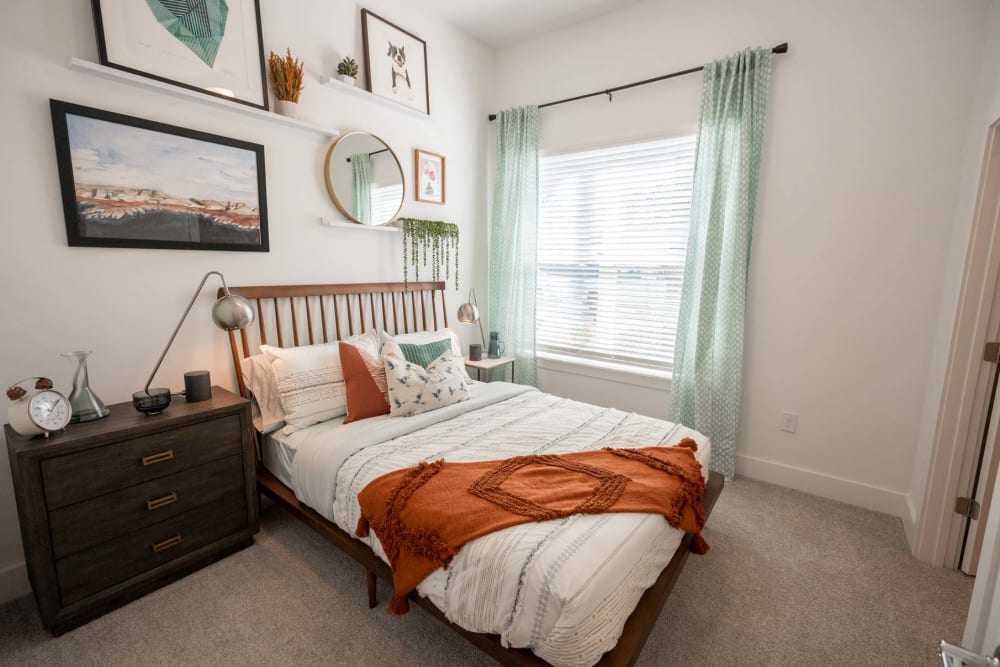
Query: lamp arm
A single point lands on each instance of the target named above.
(474, 301)
(179, 324)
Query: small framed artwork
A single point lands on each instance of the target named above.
(132, 183)
(429, 176)
(395, 63)
(214, 46)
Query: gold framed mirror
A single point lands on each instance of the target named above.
(364, 178)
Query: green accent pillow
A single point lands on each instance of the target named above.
(423, 355)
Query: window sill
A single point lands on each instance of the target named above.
(650, 379)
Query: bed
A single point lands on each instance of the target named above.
(582, 590)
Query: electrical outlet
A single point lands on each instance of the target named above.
(789, 421)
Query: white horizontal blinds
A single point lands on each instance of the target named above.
(612, 239)
(385, 202)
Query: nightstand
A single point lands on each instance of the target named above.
(113, 509)
(487, 364)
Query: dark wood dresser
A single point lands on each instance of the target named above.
(113, 509)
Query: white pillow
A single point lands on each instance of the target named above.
(414, 389)
(391, 347)
(310, 380)
(258, 377)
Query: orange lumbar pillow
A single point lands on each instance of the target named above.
(366, 396)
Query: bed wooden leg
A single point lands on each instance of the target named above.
(372, 600)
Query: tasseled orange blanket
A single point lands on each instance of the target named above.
(423, 515)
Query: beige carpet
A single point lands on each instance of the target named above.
(791, 580)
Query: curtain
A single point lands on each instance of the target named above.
(361, 193)
(514, 239)
(708, 358)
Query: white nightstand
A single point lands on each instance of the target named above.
(486, 364)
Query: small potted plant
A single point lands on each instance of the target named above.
(347, 70)
(286, 79)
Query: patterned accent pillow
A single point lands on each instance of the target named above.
(425, 354)
(414, 389)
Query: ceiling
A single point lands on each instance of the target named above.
(502, 22)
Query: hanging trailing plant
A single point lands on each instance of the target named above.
(440, 238)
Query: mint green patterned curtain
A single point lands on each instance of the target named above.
(708, 357)
(361, 193)
(514, 238)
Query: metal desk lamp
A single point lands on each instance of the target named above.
(468, 313)
(230, 312)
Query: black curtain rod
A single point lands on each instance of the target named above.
(373, 153)
(780, 48)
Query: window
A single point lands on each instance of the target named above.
(612, 239)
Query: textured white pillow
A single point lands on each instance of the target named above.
(391, 347)
(414, 389)
(310, 379)
(258, 376)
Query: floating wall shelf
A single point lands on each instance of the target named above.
(152, 84)
(338, 85)
(327, 222)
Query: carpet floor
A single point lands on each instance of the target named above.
(791, 580)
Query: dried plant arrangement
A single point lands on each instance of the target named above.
(286, 76)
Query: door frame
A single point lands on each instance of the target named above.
(961, 412)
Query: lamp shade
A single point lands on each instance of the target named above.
(468, 313)
(232, 312)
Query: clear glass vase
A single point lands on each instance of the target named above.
(87, 407)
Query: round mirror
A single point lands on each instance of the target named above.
(364, 178)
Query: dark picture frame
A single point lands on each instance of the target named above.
(379, 75)
(144, 214)
(110, 61)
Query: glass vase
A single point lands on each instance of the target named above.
(87, 407)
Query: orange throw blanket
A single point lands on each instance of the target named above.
(423, 515)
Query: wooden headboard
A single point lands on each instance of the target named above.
(291, 315)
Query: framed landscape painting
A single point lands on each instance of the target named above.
(132, 183)
(395, 63)
(214, 46)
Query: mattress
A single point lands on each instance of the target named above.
(562, 588)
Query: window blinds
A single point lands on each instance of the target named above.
(612, 239)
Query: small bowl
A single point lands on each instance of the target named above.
(152, 402)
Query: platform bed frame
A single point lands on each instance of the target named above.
(315, 314)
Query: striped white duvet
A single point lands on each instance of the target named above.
(564, 588)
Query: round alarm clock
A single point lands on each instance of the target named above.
(38, 412)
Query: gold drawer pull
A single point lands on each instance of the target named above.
(166, 544)
(157, 503)
(157, 458)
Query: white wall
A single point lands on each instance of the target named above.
(124, 303)
(865, 144)
(985, 111)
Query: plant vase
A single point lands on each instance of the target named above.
(349, 80)
(287, 108)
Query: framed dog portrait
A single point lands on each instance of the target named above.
(395, 63)
(428, 176)
(213, 46)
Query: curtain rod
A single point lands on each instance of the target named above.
(373, 153)
(780, 48)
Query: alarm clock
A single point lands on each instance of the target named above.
(39, 412)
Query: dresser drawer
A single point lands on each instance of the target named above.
(90, 571)
(82, 525)
(94, 472)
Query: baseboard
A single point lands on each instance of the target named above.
(909, 518)
(820, 484)
(14, 582)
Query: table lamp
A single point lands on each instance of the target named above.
(468, 313)
(230, 312)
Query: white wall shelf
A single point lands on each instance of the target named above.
(340, 86)
(177, 91)
(328, 222)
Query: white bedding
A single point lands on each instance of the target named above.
(564, 588)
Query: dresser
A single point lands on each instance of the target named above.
(113, 509)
